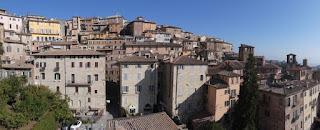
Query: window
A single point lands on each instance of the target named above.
(43, 76)
(89, 79)
(226, 91)
(72, 78)
(17, 27)
(88, 65)
(226, 103)
(58, 89)
(89, 89)
(180, 67)
(138, 66)
(72, 64)
(8, 48)
(10, 26)
(138, 88)
(89, 99)
(125, 66)
(57, 64)
(125, 76)
(37, 65)
(56, 76)
(77, 89)
(95, 91)
(96, 64)
(80, 64)
(201, 77)
(96, 77)
(288, 102)
(152, 65)
(139, 76)
(124, 89)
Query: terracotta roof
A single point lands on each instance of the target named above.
(228, 73)
(156, 121)
(137, 59)
(186, 60)
(68, 52)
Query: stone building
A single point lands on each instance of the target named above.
(44, 30)
(13, 51)
(158, 36)
(174, 31)
(138, 26)
(223, 91)
(182, 82)
(296, 71)
(78, 74)
(245, 51)
(295, 103)
(139, 84)
(11, 22)
(159, 48)
(17, 69)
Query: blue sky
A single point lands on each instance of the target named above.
(274, 27)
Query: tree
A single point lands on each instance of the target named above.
(211, 126)
(244, 116)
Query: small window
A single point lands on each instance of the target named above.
(89, 99)
(96, 64)
(138, 66)
(95, 91)
(88, 65)
(80, 64)
(138, 89)
(125, 89)
(89, 89)
(57, 76)
(58, 89)
(226, 103)
(43, 76)
(77, 89)
(125, 66)
(72, 64)
(96, 77)
(201, 77)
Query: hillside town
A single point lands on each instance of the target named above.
(138, 74)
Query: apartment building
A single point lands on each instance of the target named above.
(290, 105)
(139, 84)
(160, 48)
(182, 82)
(78, 74)
(11, 22)
(138, 26)
(44, 30)
(223, 91)
(13, 51)
(17, 69)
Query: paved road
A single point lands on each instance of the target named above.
(99, 125)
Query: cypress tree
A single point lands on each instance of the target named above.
(244, 116)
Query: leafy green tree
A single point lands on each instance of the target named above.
(21, 103)
(244, 116)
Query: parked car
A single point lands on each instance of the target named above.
(76, 125)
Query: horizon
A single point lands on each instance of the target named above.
(274, 31)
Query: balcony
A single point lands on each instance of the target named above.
(78, 84)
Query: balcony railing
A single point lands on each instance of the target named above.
(71, 83)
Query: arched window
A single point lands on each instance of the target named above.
(57, 76)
